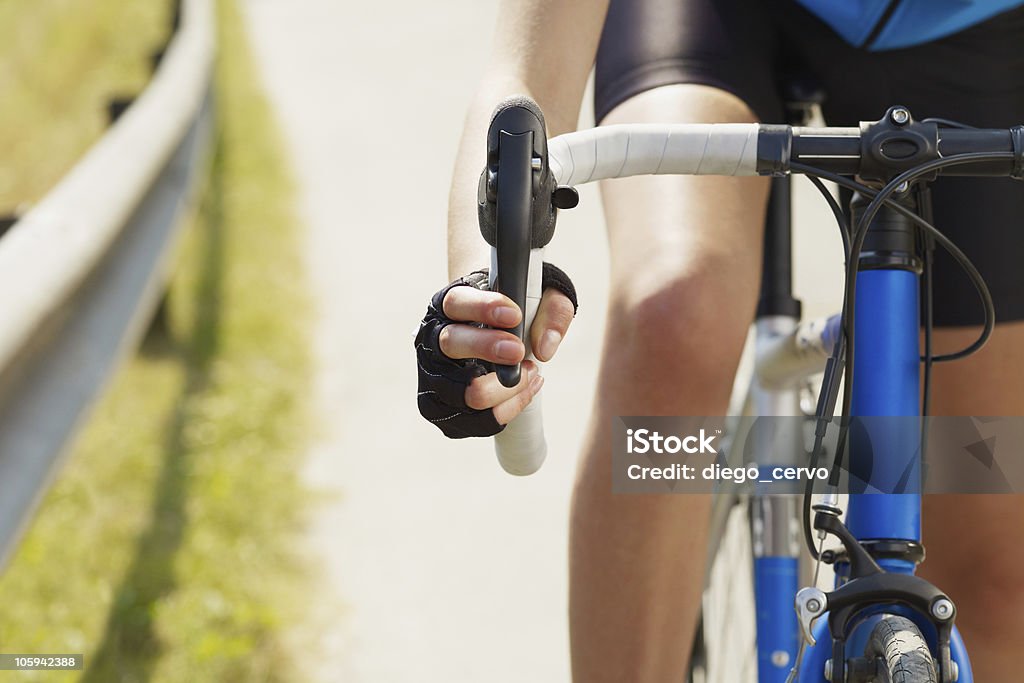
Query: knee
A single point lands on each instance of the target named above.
(674, 340)
(972, 555)
(991, 601)
(687, 323)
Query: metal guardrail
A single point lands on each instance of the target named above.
(82, 272)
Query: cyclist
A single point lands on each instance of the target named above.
(685, 262)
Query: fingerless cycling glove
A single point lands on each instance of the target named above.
(441, 393)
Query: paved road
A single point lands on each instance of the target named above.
(449, 569)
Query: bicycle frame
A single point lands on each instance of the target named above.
(777, 549)
(887, 383)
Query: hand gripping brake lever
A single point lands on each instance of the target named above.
(517, 210)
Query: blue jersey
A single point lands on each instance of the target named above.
(890, 24)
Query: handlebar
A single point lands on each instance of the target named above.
(521, 447)
(876, 151)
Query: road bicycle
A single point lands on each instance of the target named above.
(880, 622)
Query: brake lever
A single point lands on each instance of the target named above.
(515, 205)
(513, 231)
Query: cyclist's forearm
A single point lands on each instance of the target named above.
(466, 249)
(543, 49)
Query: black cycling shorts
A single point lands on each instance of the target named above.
(750, 47)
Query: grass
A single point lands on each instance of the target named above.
(165, 551)
(60, 62)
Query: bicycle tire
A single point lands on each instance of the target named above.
(900, 651)
(723, 651)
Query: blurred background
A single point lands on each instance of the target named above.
(236, 485)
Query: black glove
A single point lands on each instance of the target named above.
(441, 394)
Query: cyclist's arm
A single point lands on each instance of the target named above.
(544, 49)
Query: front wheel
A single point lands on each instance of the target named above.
(899, 652)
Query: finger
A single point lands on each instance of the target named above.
(554, 315)
(469, 304)
(465, 341)
(507, 411)
(486, 391)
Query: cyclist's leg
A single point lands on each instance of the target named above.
(973, 541)
(685, 264)
(685, 269)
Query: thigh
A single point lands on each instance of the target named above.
(685, 256)
(725, 44)
(968, 532)
(685, 251)
(972, 540)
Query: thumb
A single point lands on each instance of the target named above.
(554, 315)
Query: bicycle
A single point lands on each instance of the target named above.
(880, 622)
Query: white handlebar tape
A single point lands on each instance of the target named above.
(521, 447)
(653, 148)
(617, 152)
